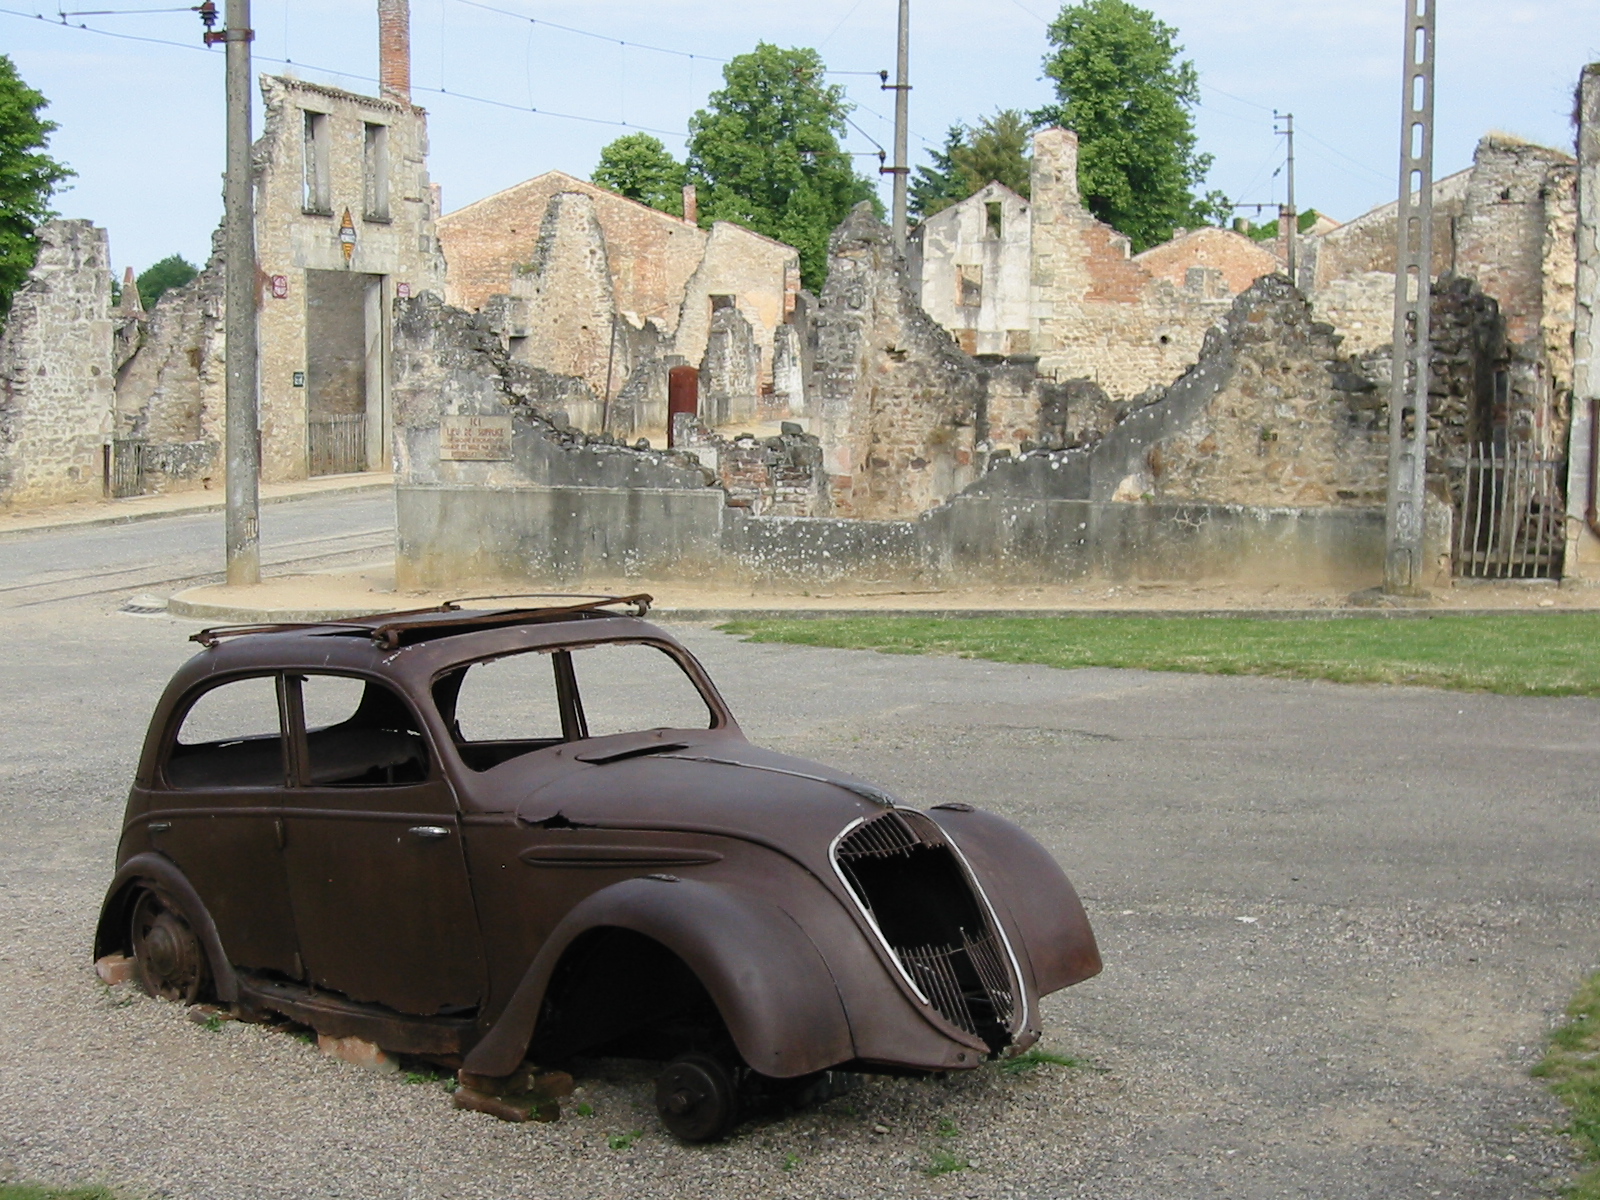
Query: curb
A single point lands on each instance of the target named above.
(186, 511)
(241, 615)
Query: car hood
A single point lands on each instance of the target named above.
(715, 785)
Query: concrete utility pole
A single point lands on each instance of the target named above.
(1288, 216)
(242, 437)
(902, 90)
(1408, 395)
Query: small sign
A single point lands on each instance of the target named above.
(347, 236)
(280, 287)
(474, 439)
(299, 379)
(402, 290)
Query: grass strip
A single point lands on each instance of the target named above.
(1518, 654)
(1571, 1066)
(34, 1191)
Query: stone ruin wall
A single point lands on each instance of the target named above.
(56, 371)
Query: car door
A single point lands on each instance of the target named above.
(215, 811)
(376, 871)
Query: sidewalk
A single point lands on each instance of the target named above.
(344, 594)
(89, 513)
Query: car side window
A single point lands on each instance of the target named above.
(230, 737)
(501, 707)
(359, 733)
(628, 686)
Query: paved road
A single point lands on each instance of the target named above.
(171, 552)
(1336, 923)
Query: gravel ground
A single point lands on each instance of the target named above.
(1336, 923)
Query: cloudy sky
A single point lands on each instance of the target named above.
(141, 121)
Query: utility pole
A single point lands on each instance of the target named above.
(1408, 394)
(242, 435)
(1288, 217)
(901, 89)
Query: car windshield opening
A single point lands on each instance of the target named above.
(501, 708)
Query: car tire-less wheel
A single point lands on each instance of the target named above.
(697, 1098)
(169, 961)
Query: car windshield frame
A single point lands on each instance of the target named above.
(569, 697)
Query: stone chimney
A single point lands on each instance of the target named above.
(691, 204)
(394, 50)
(132, 303)
(1055, 167)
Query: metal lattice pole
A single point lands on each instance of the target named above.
(1408, 395)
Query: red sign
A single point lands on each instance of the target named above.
(403, 290)
(280, 287)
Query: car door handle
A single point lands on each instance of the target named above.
(429, 832)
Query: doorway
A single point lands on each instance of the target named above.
(345, 372)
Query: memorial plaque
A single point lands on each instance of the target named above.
(474, 439)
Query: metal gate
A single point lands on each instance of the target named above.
(337, 445)
(1512, 523)
(125, 467)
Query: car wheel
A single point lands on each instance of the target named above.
(697, 1098)
(169, 961)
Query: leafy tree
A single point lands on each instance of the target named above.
(1269, 231)
(998, 149)
(28, 178)
(1120, 86)
(640, 167)
(171, 272)
(764, 153)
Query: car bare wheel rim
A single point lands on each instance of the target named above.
(696, 1098)
(170, 963)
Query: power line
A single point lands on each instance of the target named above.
(542, 112)
(589, 33)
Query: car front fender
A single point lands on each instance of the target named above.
(766, 977)
(1019, 874)
(111, 935)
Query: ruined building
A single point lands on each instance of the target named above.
(585, 282)
(344, 226)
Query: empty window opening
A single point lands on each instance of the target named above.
(375, 172)
(969, 285)
(994, 213)
(358, 734)
(505, 707)
(230, 737)
(317, 189)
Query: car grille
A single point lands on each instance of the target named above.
(912, 885)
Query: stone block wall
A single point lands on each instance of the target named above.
(1239, 260)
(971, 266)
(1583, 538)
(896, 400)
(56, 387)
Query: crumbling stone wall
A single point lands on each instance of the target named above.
(170, 389)
(1239, 261)
(730, 372)
(55, 371)
(896, 400)
(570, 316)
(1099, 314)
(971, 265)
(1583, 544)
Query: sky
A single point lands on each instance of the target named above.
(141, 121)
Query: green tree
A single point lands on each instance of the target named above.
(1121, 88)
(764, 153)
(28, 178)
(171, 272)
(998, 149)
(641, 168)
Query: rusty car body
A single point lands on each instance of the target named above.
(409, 874)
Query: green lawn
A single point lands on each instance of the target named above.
(1518, 654)
(30, 1191)
(1572, 1067)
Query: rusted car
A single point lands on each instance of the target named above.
(492, 836)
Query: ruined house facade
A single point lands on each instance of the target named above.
(588, 283)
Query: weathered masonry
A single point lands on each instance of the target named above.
(579, 280)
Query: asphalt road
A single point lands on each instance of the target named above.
(1336, 922)
(48, 566)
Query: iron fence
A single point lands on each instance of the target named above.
(1513, 515)
(337, 445)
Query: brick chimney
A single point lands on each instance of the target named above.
(394, 50)
(1055, 168)
(691, 205)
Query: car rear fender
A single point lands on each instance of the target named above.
(1019, 875)
(111, 935)
(766, 977)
